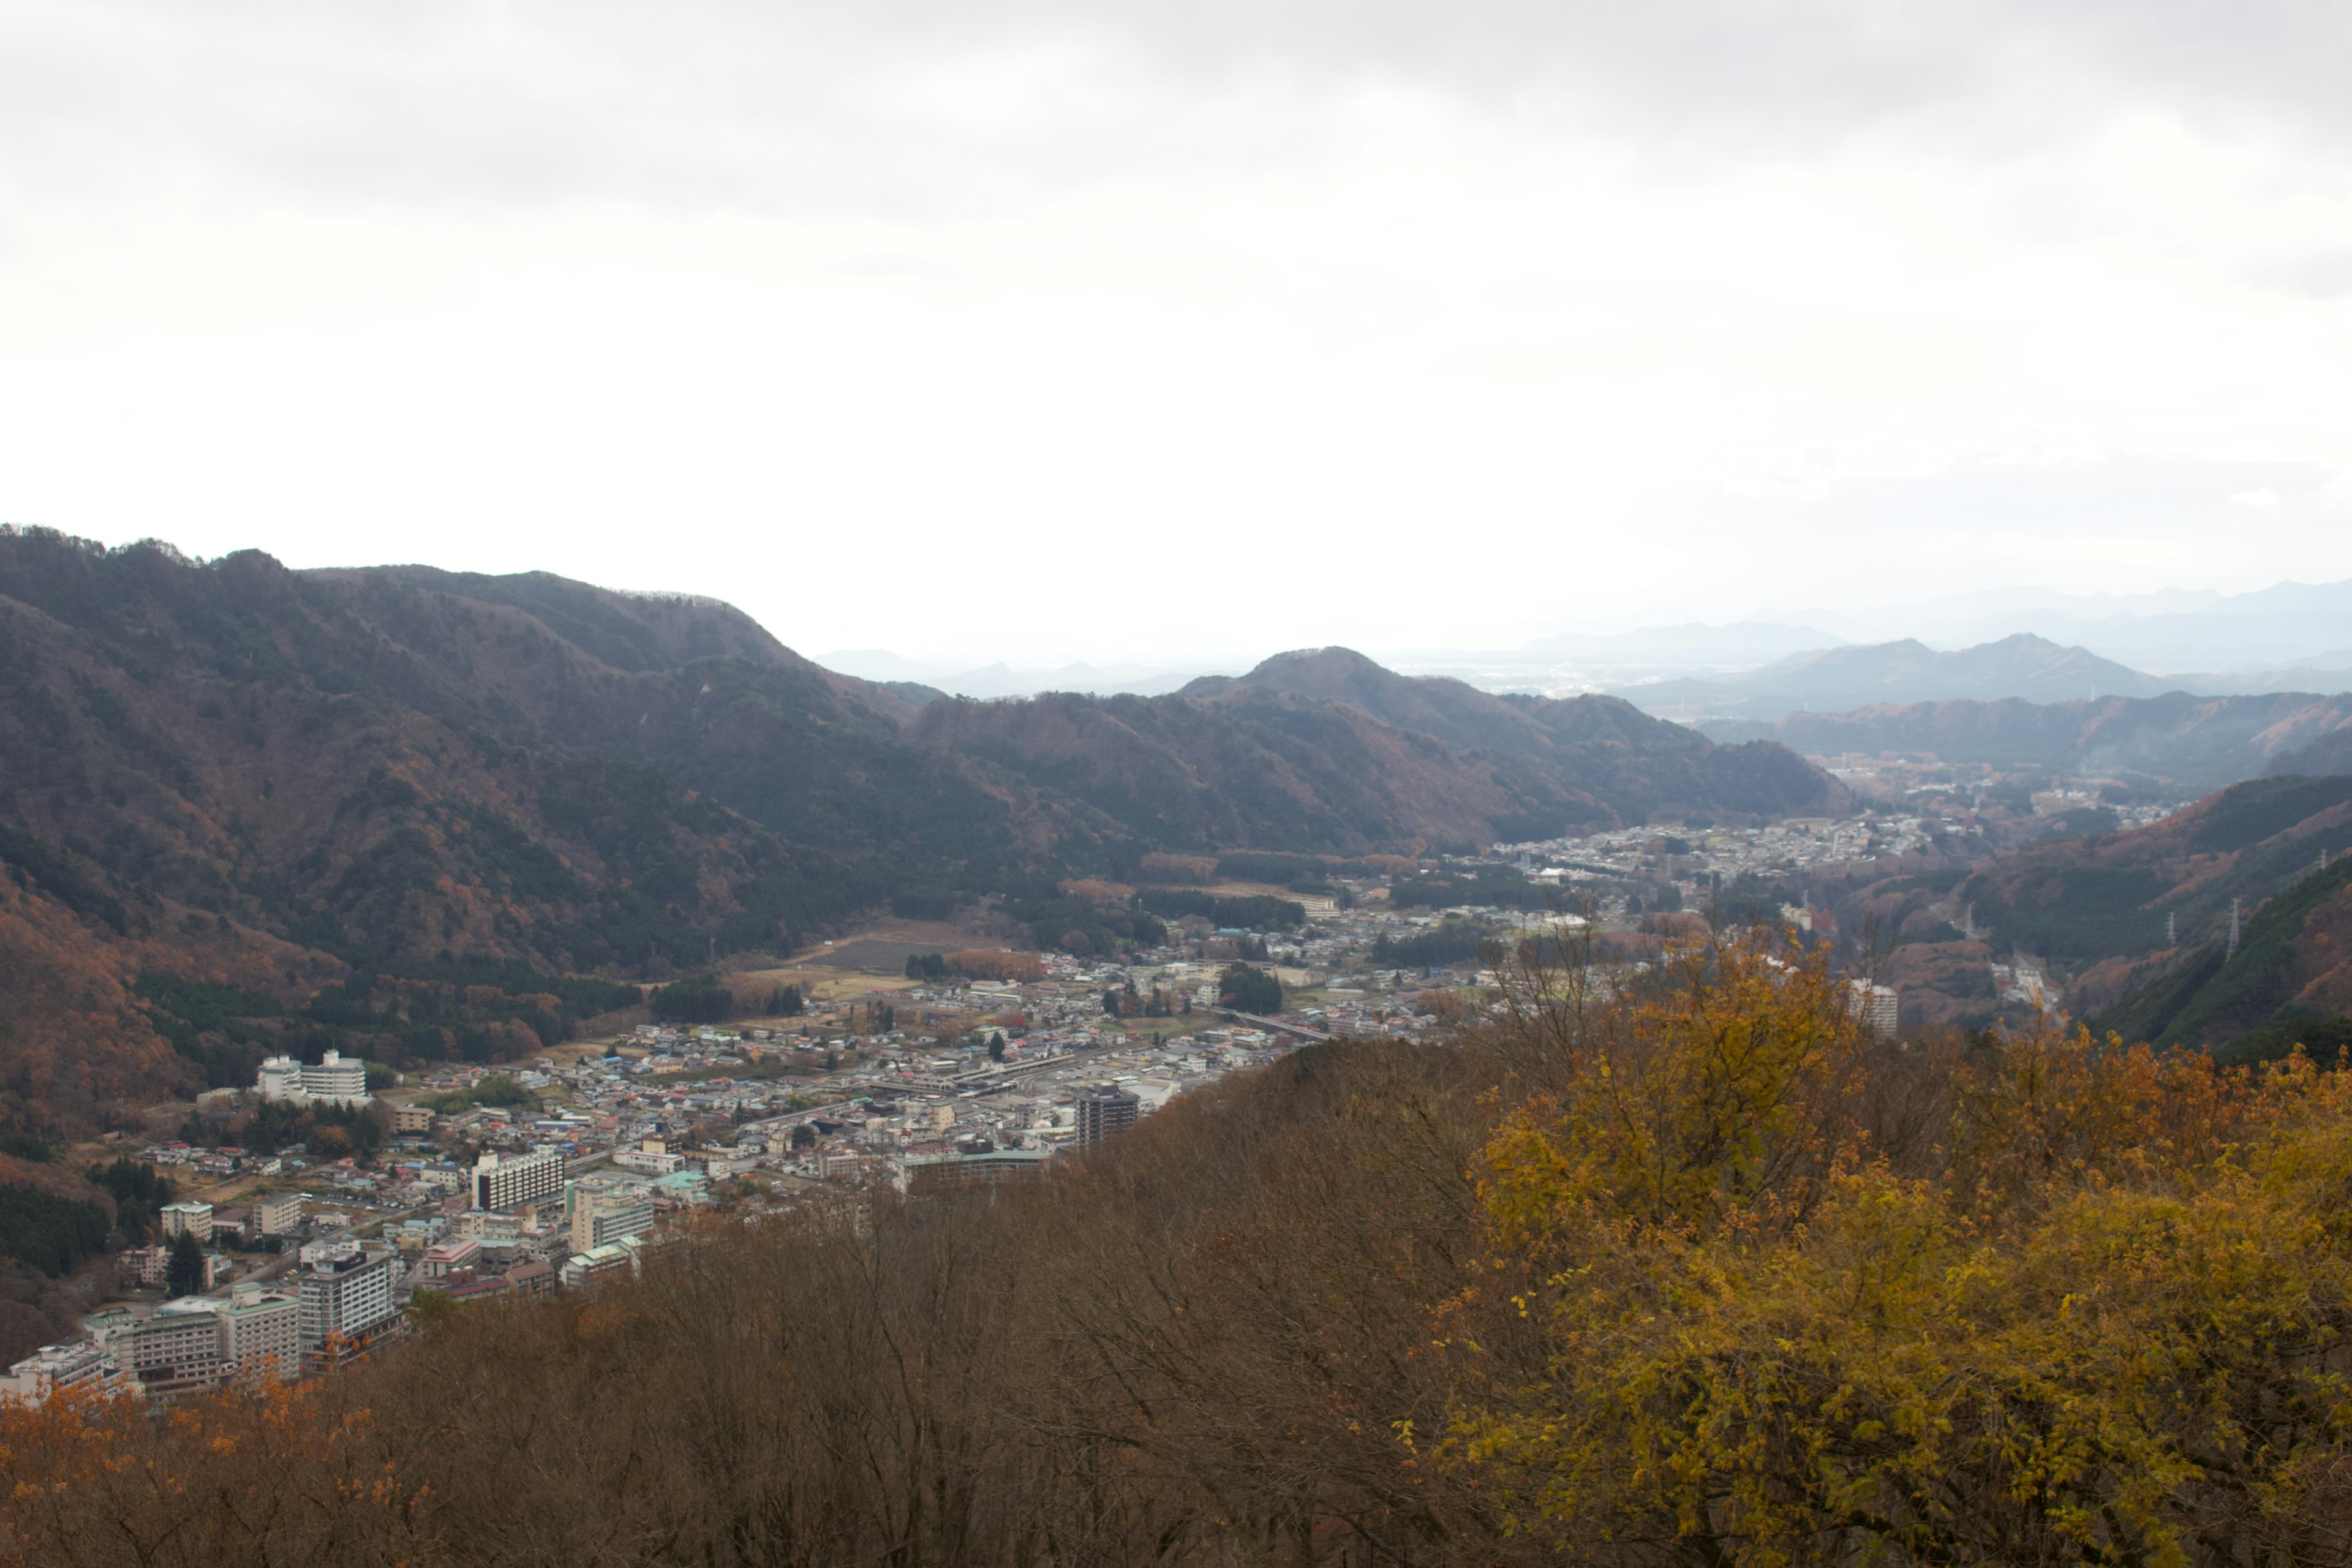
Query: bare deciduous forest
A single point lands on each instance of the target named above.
(1691, 1272)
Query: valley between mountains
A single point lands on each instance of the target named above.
(545, 795)
(237, 774)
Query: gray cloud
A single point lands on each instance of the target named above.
(721, 103)
(2317, 275)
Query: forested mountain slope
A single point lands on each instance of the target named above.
(2330, 753)
(233, 774)
(1327, 750)
(2194, 742)
(1600, 746)
(2094, 916)
(242, 775)
(2082, 900)
(1260, 770)
(2288, 981)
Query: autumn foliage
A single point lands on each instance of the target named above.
(2029, 1300)
(1668, 1267)
(995, 963)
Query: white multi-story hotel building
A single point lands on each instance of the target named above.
(338, 1080)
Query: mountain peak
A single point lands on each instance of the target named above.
(1324, 662)
(1861, 675)
(1343, 675)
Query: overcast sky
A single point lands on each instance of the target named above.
(1181, 328)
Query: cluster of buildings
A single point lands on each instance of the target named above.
(1699, 862)
(592, 1163)
(337, 1303)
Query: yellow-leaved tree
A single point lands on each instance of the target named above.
(1807, 1296)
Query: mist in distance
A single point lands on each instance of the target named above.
(1157, 338)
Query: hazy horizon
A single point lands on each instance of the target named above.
(1155, 330)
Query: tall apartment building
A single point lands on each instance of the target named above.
(261, 1333)
(603, 1209)
(517, 1179)
(337, 1080)
(345, 1293)
(1104, 1112)
(188, 1218)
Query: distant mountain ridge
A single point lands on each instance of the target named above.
(1839, 679)
(1690, 643)
(1635, 764)
(2199, 743)
(1325, 749)
(2283, 626)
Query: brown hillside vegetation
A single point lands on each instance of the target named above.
(1693, 1273)
(235, 775)
(1326, 750)
(227, 773)
(2081, 901)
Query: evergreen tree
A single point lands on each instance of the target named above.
(183, 1272)
(47, 1232)
(996, 1046)
(1249, 990)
